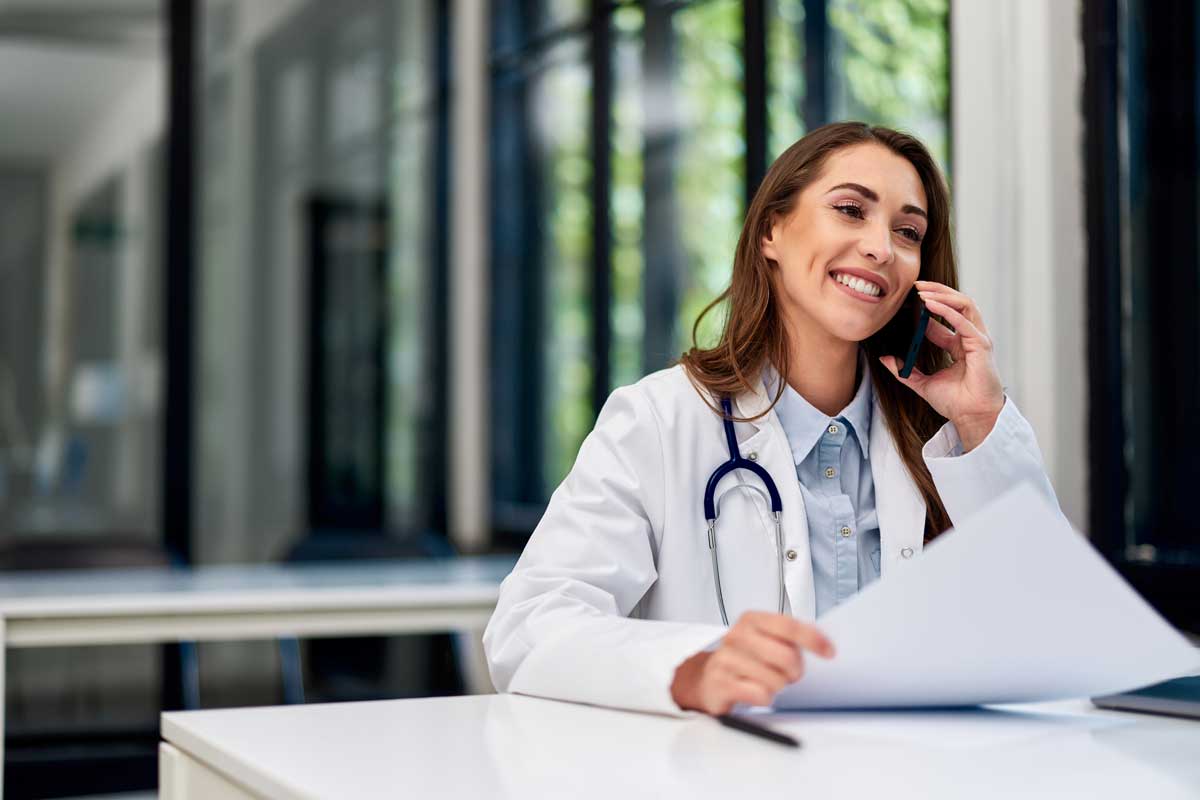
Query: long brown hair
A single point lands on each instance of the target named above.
(754, 334)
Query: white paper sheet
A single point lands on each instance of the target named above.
(1013, 606)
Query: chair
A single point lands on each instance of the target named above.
(354, 663)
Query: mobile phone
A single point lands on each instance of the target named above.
(918, 337)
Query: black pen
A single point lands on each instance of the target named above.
(755, 729)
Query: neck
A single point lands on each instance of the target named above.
(823, 369)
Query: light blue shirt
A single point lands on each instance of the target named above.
(831, 455)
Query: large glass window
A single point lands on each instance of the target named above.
(321, 356)
(81, 357)
(1143, 126)
(80, 270)
(321, 262)
(619, 172)
(1161, 198)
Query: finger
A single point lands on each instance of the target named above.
(739, 664)
(934, 286)
(793, 630)
(969, 335)
(745, 691)
(944, 338)
(782, 656)
(915, 380)
(958, 301)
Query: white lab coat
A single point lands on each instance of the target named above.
(615, 587)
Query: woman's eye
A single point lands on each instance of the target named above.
(850, 210)
(911, 234)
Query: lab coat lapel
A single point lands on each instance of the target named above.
(898, 504)
(766, 438)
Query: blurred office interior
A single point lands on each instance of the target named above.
(291, 280)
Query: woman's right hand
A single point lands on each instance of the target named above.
(759, 655)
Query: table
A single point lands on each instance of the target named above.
(153, 605)
(507, 746)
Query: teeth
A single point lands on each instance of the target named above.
(858, 284)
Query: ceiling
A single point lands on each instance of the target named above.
(62, 62)
(112, 24)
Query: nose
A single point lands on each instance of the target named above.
(876, 244)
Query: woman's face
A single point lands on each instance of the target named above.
(859, 223)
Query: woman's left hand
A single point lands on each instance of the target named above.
(968, 392)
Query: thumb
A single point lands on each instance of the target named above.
(915, 380)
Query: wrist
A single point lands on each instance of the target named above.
(974, 428)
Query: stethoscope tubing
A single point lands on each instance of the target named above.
(712, 505)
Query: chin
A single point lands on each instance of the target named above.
(854, 334)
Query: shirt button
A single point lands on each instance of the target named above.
(833, 429)
(830, 472)
(845, 531)
(906, 552)
(791, 555)
(752, 455)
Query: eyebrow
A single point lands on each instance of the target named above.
(874, 198)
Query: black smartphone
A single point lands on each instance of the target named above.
(918, 337)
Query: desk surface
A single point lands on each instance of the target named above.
(522, 747)
(265, 586)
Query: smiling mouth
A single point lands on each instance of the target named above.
(858, 285)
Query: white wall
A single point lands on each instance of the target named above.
(1017, 80)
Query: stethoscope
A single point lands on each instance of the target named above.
(712, 505)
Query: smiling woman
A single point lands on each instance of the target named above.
(607, 605)
(850, 200)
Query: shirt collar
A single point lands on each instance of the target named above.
(805, 425)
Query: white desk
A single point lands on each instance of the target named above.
(251, 602)
(520, 747)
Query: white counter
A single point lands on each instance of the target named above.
(518, 747)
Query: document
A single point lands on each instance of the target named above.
(1012, 606)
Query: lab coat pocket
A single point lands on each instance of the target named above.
(875, 559)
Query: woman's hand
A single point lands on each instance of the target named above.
(969, 392)
(758, 656)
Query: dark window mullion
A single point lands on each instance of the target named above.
(1107, 479)
(601, 158)
(816, 64)
(181, 297)
(180, 303)
(436, 438)
(754, 48)
(517, 372)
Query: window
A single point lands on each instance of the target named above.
(1143, 152)
(321, 261)
(625, 137)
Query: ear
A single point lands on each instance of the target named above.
(767, 245)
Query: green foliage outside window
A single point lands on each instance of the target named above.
(888, 65)
(563, 124)
(710, 179)
(892, 66)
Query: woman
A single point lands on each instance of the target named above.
(616, 600)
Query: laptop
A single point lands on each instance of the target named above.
(1179, 697)
(1174, 698)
